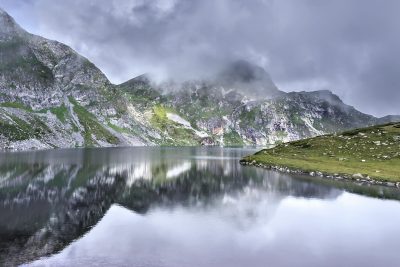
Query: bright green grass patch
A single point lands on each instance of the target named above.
(178, 134)
(372, 151)
(159, 118)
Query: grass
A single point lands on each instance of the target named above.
(15, 105)
(179, 134)
(21, 130)
(248, 117)
(61, 112)
(233, 139)
(13, 131)
(119, 129)
(372, 151)
(92, 126)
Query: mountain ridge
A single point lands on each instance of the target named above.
(50, 96)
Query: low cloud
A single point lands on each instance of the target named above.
(347, 46)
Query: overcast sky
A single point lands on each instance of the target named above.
(350, 47)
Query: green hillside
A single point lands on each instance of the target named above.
(367, 153)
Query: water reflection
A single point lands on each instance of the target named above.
(50, 198)
(247, 232)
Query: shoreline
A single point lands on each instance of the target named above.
(355, 178)
(5, 151)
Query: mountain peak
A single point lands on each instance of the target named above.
(8, 26)
(3, 13)
(249, 78)
(243, 71)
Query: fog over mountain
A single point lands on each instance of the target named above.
(347, 46)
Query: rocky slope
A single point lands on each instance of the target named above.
(50, 96)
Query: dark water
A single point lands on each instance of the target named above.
(185, 207)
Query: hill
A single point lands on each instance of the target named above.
(370, 155)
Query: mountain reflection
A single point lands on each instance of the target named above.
(50, 198)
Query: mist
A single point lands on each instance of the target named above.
(348, 47)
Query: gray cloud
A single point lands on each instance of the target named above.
(347, 46)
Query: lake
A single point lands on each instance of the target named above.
(189, 206)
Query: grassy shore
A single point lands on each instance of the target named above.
(371, 153)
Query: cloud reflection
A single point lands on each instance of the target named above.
(250, 230)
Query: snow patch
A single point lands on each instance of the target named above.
(178, 119)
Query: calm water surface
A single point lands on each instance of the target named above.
(185, 207)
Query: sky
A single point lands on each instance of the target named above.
(350, 47)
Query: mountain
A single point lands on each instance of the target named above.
(214, 114)
(247, 78)
(50, 96)
(389, 118)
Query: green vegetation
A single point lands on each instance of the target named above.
(15, 105)
(119, 129)
(13, 131)
(233, 139)
(160, 115)
(295, 118)
(60, 112)
(249, 116)
(19, 129)
(179, 134)
(372, 151)
(140, 94)
(92, 126)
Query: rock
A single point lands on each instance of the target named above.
(358, 176)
